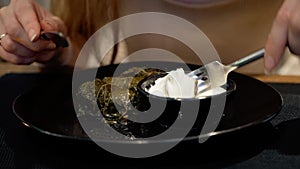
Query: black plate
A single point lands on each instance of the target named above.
(49, 109)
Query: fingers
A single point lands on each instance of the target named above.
(45, 56)
(11, 46)
(15, 59)
(16, 33)
(294, 31)
(20, 21)
(18, 54)
(27, 17)
(276, 41)
(34, 18)
(53, 23)
(285, 32)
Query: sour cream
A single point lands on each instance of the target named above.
(176, 84)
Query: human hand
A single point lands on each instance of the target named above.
(21, 23)
(285, 32)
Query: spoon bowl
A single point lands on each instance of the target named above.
(57, 37)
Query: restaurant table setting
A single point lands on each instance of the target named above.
(260, 130)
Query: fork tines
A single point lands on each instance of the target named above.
(199, 74)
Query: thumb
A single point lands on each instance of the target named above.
(53, 23)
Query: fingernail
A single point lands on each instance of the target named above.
(51, 46)
(269, 63)
(32, 35)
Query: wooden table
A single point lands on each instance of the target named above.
(277, 78)
(10, 68)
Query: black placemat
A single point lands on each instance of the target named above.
(261, 146)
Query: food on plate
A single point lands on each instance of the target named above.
(176, 84)
(114, 97)
(97, 97)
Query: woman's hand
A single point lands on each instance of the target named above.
(21, 23)
(285, 32)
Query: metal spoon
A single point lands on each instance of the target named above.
(57, 37)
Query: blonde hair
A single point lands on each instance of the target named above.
(84, 17)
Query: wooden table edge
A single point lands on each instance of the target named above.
(6, 68)
(277, 78)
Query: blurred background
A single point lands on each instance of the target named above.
(42, 2)
(290, 64)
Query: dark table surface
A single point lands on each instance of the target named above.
(275, 144)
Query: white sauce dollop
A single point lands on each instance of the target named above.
(176, 84)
